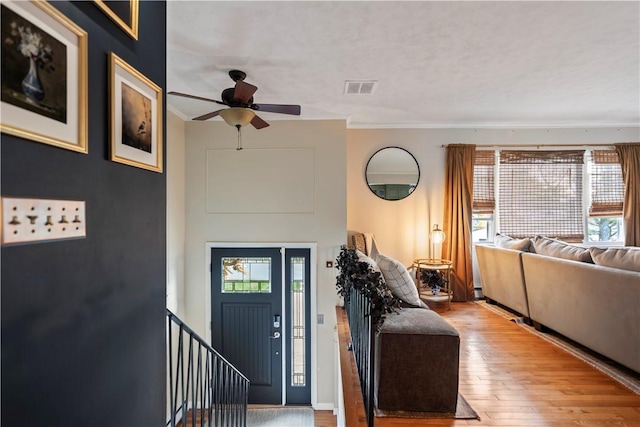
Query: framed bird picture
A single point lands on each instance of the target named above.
(135, 117)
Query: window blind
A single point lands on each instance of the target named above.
(484, 201)
(607, 186)
(540, 192)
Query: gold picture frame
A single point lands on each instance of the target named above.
(130, 27)
(135, 114)
(44, 76)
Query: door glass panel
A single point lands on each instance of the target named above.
(246, 275)
(298, 289)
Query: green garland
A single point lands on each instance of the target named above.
(359, 275)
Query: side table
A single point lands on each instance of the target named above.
(442, 265)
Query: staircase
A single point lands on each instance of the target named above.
(204, 389)
(191, 422)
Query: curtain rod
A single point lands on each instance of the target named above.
(535, 145)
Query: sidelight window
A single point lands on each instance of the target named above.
(298, 289)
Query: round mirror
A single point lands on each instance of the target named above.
(392, 173)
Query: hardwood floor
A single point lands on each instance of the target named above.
(324, 419)
(511, 377)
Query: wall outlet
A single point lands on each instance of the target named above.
(31, 220)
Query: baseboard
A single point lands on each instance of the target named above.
(324, 407)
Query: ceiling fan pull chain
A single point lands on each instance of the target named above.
(239, 139)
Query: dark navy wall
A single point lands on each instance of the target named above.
(83, 339)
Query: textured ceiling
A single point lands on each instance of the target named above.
(437, 64)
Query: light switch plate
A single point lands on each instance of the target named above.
(31, 220)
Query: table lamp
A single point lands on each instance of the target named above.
(437, 236)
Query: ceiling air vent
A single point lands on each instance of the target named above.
(359, 87)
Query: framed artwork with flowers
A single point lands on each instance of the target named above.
(135, 110)
(124, 13)
(44, 75)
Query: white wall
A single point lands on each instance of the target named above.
(175, 175)
(401, 227)
(325, 225)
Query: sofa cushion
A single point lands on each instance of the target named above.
(508, 242)
(415, 322)
(398, 280)
(623, 258)
(555, 248)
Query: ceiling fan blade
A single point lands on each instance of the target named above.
(278, 108)
(258, 123)
(207, 116)
(244, 91)
(185, 95)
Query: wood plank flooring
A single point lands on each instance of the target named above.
(513, 378)
(324, 419)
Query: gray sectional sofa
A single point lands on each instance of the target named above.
(591, 296)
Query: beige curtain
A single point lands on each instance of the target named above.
(630, 161)
(457, 218)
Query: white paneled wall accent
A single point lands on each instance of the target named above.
(261, 181)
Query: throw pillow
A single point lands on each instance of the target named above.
(359, 242)
(398, 280)
(364, 258)
(623, 258)
(555, 248)
(508, 242)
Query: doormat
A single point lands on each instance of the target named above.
(464, 411)
(280, 417)
(621, 375)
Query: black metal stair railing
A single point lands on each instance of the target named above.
(363, 335)
(204, 388)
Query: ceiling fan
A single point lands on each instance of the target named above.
(242, 107)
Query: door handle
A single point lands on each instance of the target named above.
(275, 336)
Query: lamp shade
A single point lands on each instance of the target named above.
(237, 116)
(437, 235)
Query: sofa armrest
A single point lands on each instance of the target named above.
(502, 277)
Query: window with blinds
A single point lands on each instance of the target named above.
(540, 192)
(484, 201)
(607, 187)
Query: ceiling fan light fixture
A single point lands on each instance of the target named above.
(237, 116)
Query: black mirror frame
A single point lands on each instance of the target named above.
(369, 161)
